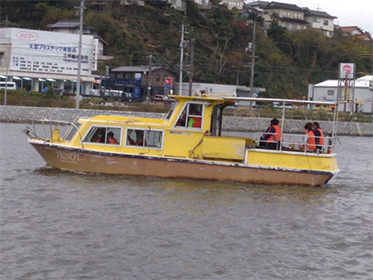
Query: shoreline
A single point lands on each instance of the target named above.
(24, 114)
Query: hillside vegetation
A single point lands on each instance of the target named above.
(286, 64)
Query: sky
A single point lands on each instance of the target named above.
(352, 12)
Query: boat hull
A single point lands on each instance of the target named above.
(80, 160)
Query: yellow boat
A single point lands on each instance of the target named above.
(188, 143)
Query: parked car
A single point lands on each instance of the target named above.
(279, 105)
(9, 85)
(157, 98)
(162, 98)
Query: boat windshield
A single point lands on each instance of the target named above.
(71, 131)
(171, 111)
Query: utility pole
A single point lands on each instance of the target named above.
(148, 83)
(252, 59)
(191, 70)
(371, 89)
(181, 59)
(7, 68)
(77, 97)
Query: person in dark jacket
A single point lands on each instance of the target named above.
(273, 136)
(319, 136)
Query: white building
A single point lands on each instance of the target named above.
(35, 59)
(320, 20)
(360, 93)
(238, 4)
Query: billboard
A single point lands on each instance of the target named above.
(49, 52)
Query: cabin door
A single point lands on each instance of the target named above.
(216, 120)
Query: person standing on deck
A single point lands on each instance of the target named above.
(309, 139)
(273, 136)
(319, 136)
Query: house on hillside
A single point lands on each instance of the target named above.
(356, 31)
(159, 79)
(132, 2)
(256, 7)
(231, 4)
(178, 4)
(320, 20)
(289, 16)
(203, 4)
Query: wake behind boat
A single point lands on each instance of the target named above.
(188, 143)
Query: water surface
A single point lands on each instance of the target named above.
(61, 225)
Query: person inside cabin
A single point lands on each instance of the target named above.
(111, 139)
(139, 138)
(309, 139)
(100, 137)
(319, 136)
(272, 138)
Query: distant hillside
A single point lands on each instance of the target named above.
(286, 64)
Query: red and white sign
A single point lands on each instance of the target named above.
(27, 36)
(347, 70)
(168, 81)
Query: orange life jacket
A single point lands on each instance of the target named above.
(311, 143)
(321, 137)
(112, 140)
(276, 136)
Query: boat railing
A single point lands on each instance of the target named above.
(296, 143)
(47, 124)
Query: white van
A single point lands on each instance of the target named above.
(11, 85)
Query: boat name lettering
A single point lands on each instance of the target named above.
(68, 156)
(180, 132)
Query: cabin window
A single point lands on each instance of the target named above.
(144, 138)
(103, 135)
(191, 116)
(331, 92)
(71, 132)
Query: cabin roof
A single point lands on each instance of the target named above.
(232, 100)
(127, 119)
(207, 97)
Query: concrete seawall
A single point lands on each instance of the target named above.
(234, 124)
